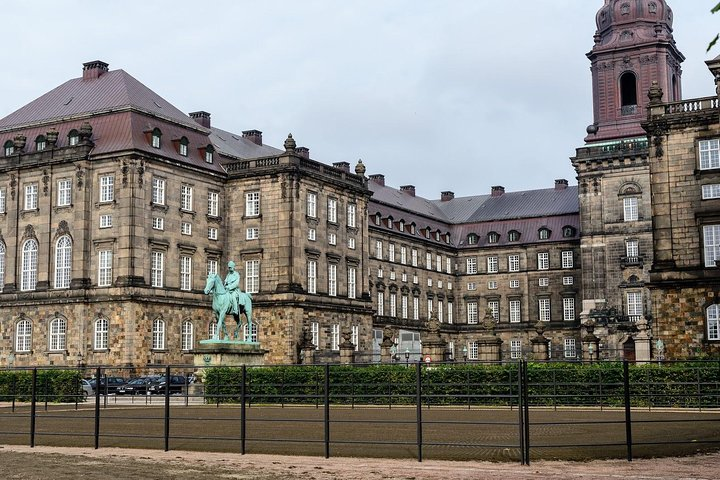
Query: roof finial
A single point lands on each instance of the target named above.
(360, 168)
(289, 144)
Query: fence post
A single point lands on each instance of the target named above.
(327, 410)
(526, 411)
(14, 392)
(628, 417)
(418, 408)
(33, 406)
(167, 408)
(243, 394)
(521, 418)
(97, 408)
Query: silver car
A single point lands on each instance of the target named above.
(87, 388)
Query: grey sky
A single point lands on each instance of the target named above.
(446, 95)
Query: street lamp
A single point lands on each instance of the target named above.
(407, 357)
(591, 351)
(393, 354)
(464, 353)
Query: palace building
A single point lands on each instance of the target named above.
(115, 206)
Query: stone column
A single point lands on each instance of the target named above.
(387, 345)
(433, 345)
(642, 341)
(347, 348)
(590, 343)
(489, 345)
(540, 343)
(307, 348)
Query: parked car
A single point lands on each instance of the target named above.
(108, 384)
(87, 389)
(177, 383)
(137, 386)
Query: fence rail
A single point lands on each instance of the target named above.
(458, 411)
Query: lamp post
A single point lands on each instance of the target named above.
(591, 351)
(393, 354)
(464, 353)
(407, 357)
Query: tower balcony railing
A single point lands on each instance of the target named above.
(631, 261)
(691, 106)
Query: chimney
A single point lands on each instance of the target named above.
(447, 196)
(94, 69)
(561, 184)
(409, 189)
(497, 191)
(344, 166)
(203, 118)
(304, 152)
(254, 136)
(378, 178)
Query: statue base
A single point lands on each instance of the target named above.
(227, 353)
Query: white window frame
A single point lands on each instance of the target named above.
(630, 209)
(158, 191)
(544, 313)
(312, 234)
(2, 266)
(379, 249)
(185, 228)
(471, 265)
(100, 333)
(515, 349)
(63, 261)
(212, 233)
(104, 268)
(29, 265)
(634, 302)
(351, 243)
(712, 319)
(57, 334)
(494, 307)
(568, 281)
(632, 248)
(186, 198)
(252, 204)
(312, 276)
(332, 279)
(252, 276)
(335, 337)
(332, 238)
(472, 313)
(567, 259)
(381, 304)
(393, 304)
(315, 332)
(31, 196)
(569, 309)
(157, 269)
(492, 264)
(64, 194)
(158, 334)
(514, 283)
(543, 282)
(403, 255)
(352, 282)
(513, 263)
(213, 204)
(332, 210)
(351, 215)
(414, 257)
(709, 151)
(391, 252)
(569, 348)
(187, 336)
(23, 336)
(212, 266)
(107, 188)
(311, 205)
(711, 191)
(105, 221)
(252, 233)
(515, 311)
(543, 259)
(3, 201)
(158, 223)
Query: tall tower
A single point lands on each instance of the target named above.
(634, 47)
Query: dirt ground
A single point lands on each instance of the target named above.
(65, 463)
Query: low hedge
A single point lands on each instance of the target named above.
(686, 384)
(57, 386)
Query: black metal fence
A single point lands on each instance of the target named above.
(456, 411)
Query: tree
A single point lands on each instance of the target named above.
(716, 8)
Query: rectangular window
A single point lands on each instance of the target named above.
(449, 312)
(212, 267)
(185, 272)
(315, 332)
(404, 306)
(355, 336)
(332, 210)
(381, 304)
(513, 263)
(105, 221)
(515, 349)
(471, 265)
(213, 204)
(630, 209)
(312, 234)
(471, 286)
(158, 223)
(711, 191)
(332, 280)
(212, 233)
(414, 257)
(492, 264)
(64, 194)
(107, 188)
(567, 259)
(312, 276)
(514, 283)
(351, 209)
(632, 249)
(252, 233)
(634, 306)
(569, 309)
(352, 282)
(711, 240)
(393, 305)
(332, 239)
(157, 268)
(568, 280)
(569, 350)
(492, 285)
(472, 351)
(104, 268)
(2, 200)
(391, 252)
(378, 249)
(351, 243)
(416, 308)
(430, 307)
(428, 261)
(440, 310)
(544, 309)
(335, 337)
(514, 311)
(252, 276)
(186, 198)
(311, 205)
(429, 282)
(438, 263)
(712, 316)
(252, 204)
(494, 307)
(543, 282)
(158, 191)
(403, 255)
(472, 313)
(543, 261)
(709, 154)
(186, 228)
(31, 196)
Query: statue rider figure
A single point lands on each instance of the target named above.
(232, 286)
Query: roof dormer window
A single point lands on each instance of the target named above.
(513, 236)
(73, 138)
(544, 234)
(472, 239)
(183, 147)
(155, 142)
(209, 151)
(40, 143)
(493, 237)
(9, 148)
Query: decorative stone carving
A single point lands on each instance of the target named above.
(290, 144)
(79, 174)
(51, 137)
(29, 232)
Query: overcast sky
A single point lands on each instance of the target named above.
(452, 95)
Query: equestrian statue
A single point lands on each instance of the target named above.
(228, 299)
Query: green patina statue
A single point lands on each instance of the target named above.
(228, 299)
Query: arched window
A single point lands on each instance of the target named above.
(73, 138)
(183, 147)
(187, 335)
(378, 219)
(493, 237)
(63, 261)
(544, 233)
(23, 336)
(58, 328)
(158, 335)
(2, 266)
(212, 329)
(712, 318)
(472, 239)
(155, 141)
(251, 335)
(568, 231)
(28, 275)
(628, 93)
(513, 236)
(9, 148)
(40, 143)
(101, 334)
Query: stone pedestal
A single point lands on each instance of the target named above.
(226, 353)
(387, 346)
(539, 343)
(642, 342)
(307, 355)
(347, 353)
(590, 343)
(434, 346)
(489, 349)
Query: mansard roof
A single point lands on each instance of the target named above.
(236, 146)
